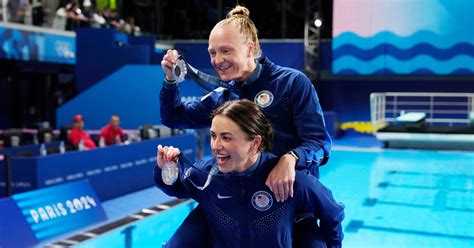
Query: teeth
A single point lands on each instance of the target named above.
(223, 68)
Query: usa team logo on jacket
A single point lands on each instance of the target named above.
(262, 200)
(264, 98)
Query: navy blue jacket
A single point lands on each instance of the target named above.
(242, 211)
(293, 109)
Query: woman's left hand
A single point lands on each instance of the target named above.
(166, 153)
(281, 178)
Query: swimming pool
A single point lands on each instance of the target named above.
(393, 198)
(404, 198)
(149, 232)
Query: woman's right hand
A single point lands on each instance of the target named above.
(166, 153)
(167, 63)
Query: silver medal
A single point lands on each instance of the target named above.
(169, 172)
(179, 70)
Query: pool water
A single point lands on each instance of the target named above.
(393, 198)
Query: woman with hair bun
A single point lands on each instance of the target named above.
(230, 188)
(287, 97)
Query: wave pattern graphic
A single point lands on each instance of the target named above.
(404, 54)
(423, 52)
(402, 42)
(388, 71)
(422, 64)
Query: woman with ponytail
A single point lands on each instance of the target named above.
(287, 98)
(239, 208)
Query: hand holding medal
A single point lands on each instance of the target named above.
(167, 160)
(177, 70)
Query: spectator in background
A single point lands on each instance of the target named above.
(129, 26)
(38, 13)
(98, 19)
(111, 18)
(112, 133)
(74, 15)
(87, 12)
(34, 13)
(78, 134)
(60, 17)
(17, 10)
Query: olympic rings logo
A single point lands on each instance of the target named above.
(64, 49)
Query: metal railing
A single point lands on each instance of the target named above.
(446, 109)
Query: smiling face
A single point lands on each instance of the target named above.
(231, 53)
(231, 147)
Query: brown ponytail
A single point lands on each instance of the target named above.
(251, 120)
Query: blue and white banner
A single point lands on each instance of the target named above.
(430, 37)
(31, 217)
(28, 43)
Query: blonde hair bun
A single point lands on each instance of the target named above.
(238, 10)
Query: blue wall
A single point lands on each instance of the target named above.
(426, 37)
(112, 171)
(349, 96)
(28, 43)
(132, 92)
(99, 55)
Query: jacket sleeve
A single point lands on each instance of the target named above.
(191, 114)
(314, 197)
(308, 116)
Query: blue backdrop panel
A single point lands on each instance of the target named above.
(2, 179)
(403, 37)
(148, 41)
(332, 123)
(112, 171)
(285, 53)
(349, 97)
(12, 219)
(19, 42)
(98, 54)
(132, 92)
(22, 151)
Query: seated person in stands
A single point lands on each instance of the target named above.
(78, 134)
(112, 133)
(240, 209)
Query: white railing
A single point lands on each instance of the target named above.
(440, 108)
